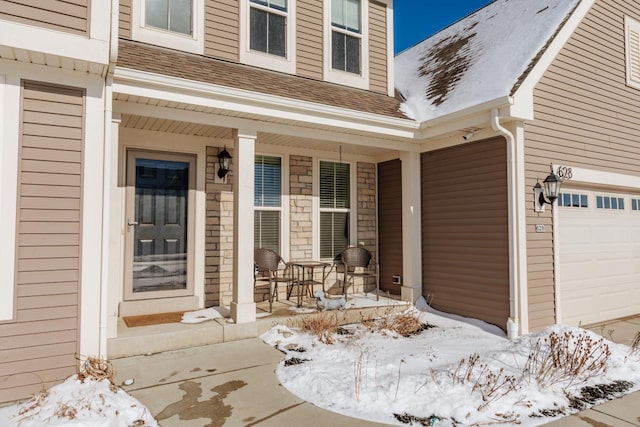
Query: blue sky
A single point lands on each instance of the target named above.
(415, 20)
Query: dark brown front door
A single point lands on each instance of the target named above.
(390, 224)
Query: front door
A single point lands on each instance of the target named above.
(159, 225)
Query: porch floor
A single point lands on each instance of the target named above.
(173, 336)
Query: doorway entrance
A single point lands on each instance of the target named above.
(159, 225)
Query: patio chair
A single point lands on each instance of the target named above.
(269, 270)
(358, 262)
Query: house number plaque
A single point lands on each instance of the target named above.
(565, 173)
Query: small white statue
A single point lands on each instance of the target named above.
(328, 303)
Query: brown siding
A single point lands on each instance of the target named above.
(309, 35)
(124, 22)
(69, 16)
(465, 240)
(221, 29)
(40, 347)
(377, 47)
(390, 223)
(585, 116)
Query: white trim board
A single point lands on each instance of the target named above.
(596, 177)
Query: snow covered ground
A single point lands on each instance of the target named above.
(89, 403)
(455, 373)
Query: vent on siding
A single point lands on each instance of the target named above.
(633, 52)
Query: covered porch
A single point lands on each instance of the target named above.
(284, 153)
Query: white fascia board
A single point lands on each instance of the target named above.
(52, 42)
(464, 118)
(140, 83)
(523, 105)
(167, 113)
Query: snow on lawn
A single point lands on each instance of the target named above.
(453, 372)
(90, 403)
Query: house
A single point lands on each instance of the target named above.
(115, 201)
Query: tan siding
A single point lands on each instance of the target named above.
(390, 224)
(377, 47)
(222, 29)
(41, 345)
(585, 116)
(124, 22)
(465, 240)
(67, 16)
(309, 35)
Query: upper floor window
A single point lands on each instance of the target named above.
(346, 35)
(346, 42)
(170, 15)
(335, 208)
(176, 24)
(268, 26)
(632, 47)
(267, 34)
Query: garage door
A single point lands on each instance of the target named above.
(599, 241)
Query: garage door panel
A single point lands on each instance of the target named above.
(599, 261)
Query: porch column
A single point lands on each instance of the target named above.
(411, 227)
(243, 307)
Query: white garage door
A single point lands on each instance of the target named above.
(599, 239)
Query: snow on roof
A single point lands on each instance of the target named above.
(479, 58)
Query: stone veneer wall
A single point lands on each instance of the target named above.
(300, 191)
(218, 235)
(367, 200)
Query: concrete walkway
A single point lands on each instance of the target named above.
(234, 384)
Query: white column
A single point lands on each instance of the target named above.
(243, 308)
(411, 227)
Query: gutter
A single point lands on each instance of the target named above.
(106, 182)
(513, 323)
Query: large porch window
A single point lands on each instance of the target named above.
(335, 208)
(267, 202)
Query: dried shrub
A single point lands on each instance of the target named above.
(491, 385)
(65, 411)
(567, 358)
(323, 326)
(95, 368)
(635, 344)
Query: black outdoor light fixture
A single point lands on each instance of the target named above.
(551, 189)
(224, 159)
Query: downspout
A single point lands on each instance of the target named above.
(106, 170)
(514, 290)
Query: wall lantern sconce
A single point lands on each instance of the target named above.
(551, 189)
(224, 159)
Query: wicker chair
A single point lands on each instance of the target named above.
(268, 272)
(358, 262)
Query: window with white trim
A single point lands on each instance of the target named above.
(346, 45)
(632, 47)
(177, 24)
(169, 15)
(335, 208)
(267, 202)
(609, 202)
(346, 35)
(573, 200)
(268, 26)
(635, 204)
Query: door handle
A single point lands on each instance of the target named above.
(131, 223)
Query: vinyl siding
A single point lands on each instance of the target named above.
(585, 116)
(390, 224)
(309, 39)
(124, 22)
(378, 47)
(68, 16)
(465, 237)
(41, 346)
(222, 29)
